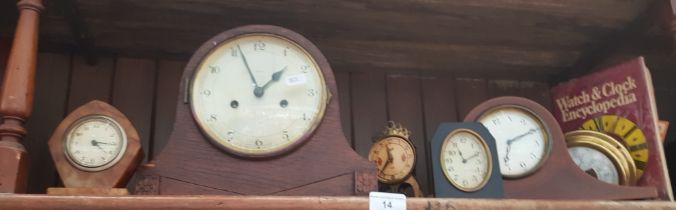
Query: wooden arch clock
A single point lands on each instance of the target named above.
(533, 155)
(258, 115)
(95, 149)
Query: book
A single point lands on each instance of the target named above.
(618, 100)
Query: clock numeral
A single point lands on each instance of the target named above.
(212, 118)
(532, 156)
(259, 46)
(464, 182)
(523, 121)
(96, 126)
(311, 92)
(306, 118)
(214, 69)
(451, 169)
(230, 134)
(509, 118)
(78, 134)
(258, 143)
(285, 134)
(452, 153)
(522, 164)
(496, 121)
(463, 140)
(233, 52)
(285, 51)
(304, 68)
(206, 92)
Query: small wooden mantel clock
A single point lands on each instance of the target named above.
(258, 115)
(95, 149)
(533, 154)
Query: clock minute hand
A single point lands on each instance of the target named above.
(259, 91)
(100, 142)
(248, 69)
(531, 131)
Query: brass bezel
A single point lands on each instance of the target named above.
(486, 150)
(607, 145)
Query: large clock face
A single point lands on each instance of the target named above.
(466, 160)
(521, 139)
(95, 143)
(258, 95)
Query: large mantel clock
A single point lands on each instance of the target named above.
(258, 115)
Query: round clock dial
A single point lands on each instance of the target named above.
(521, 139)
(465, 160)
(95, 143)
(258, 94)
(601, 156)
(394, 157)
(595, 163)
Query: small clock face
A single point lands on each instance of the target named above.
(394, 158)
(257, 95)
(465, 160)
(521, 139)
(595, 163)
(95, 143)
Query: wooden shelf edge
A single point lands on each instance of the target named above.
(24, 201)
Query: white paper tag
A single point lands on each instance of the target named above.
(386, 201)
(297, 79)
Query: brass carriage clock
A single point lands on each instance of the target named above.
(394, 155)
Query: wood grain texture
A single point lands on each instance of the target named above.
(51, 90)
(90, 82)
(168, 80)
(16, 98)
(88, 191)
(343, 83)
(503, 88)
(368, 108)
(30, 202)
(488, 36)
(470, 92)
(404, 102)
(133, 89)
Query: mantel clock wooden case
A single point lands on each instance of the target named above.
(258, 115)
(533, 154)
(95, 149)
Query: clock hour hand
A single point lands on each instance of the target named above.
(259, 91)
(96, 144)
(463, 158)
(248, 69)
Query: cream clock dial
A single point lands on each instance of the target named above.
(95, 143)
(595, 163)
(394, 158)
(466, 160)
(521, 139)
(258, 95)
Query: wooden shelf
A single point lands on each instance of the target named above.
(18, 202)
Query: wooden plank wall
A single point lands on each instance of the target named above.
(146, 91)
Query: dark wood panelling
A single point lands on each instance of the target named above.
(536, 91)
(90, 82)
(404, 103)
(133, 90)
(503, 88)
(368, 108)
(168, 78)
(438, 99)
(5, 45)
(49, 106)
(469, 93)
(343, 83)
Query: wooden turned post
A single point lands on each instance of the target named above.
(16, 98)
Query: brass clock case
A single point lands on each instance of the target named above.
(607, 145)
